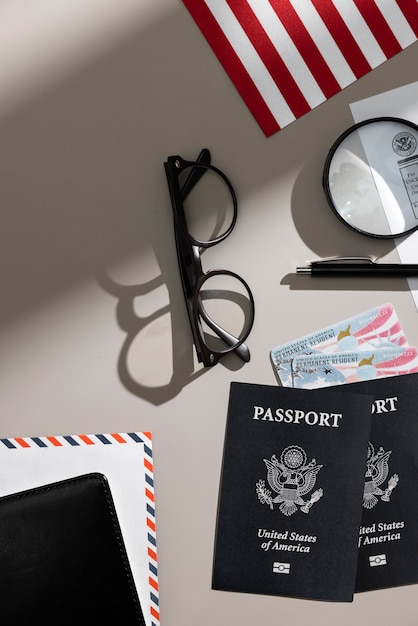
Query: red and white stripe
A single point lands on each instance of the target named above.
(286, 57)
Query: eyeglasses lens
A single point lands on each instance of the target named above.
(224, 310)
(208, 206)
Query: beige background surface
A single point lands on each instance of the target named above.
(94, 335)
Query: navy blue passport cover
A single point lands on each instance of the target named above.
(291, 492)
(388, 540)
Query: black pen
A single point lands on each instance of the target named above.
(357, 266)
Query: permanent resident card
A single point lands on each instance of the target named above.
(372, 329)
(326, 370)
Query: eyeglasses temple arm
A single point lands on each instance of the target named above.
(242, 351)
(196, 173)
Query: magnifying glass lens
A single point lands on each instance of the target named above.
(371, 177)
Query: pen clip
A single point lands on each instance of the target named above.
(352, 259)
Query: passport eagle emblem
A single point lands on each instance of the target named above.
(377, 470)
(290, 479)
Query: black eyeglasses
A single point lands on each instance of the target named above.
(219, 303)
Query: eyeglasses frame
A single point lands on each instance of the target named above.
(189, 259)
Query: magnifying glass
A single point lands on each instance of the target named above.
(370, 177)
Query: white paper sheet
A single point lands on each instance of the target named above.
(400, 102)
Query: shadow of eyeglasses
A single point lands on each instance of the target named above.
(157, 358)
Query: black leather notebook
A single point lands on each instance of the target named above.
(63, 559)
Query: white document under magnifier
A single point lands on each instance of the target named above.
(400, 102)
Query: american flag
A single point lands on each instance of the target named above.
(286, 57)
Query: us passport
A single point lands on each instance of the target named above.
(388, 537)
(291, 492)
